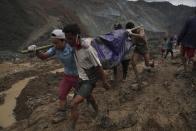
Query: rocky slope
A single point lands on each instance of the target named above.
(23, 21)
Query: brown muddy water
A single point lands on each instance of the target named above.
(7, 117)
(6, 110)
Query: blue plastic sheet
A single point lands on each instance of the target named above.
(111, 47)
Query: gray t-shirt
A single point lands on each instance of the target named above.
(86, 61)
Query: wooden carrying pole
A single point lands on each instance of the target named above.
(135, 28)
(48, 46)
(37, 49)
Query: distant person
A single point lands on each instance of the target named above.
(187, 40)
(65, 53)
(164, 46)
(169, 47)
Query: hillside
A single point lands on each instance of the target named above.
(24, 22)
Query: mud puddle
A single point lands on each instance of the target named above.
(6, 109)
(7, 117)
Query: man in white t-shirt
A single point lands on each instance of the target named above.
(89, 68)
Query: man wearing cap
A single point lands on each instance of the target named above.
(65, 53)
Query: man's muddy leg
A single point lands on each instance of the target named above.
(133, 62)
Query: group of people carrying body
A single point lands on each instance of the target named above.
(82, 67)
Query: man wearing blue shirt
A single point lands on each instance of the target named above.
(65, 53)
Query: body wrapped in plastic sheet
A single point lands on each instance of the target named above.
(111, 47)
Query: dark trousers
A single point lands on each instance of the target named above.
(169, 51)
(125, 66)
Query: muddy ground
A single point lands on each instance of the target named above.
(166, 102)
(39, 91)
(18, 72)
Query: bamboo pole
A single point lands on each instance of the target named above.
(37, 49)
(135, 28)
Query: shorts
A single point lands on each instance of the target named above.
(163, 50)
(141, 49)
(66, 84)
(169, 50)
(188, 52)
(85, 88)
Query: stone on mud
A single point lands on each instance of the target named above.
(104, 121)
(129, 121)
(2, 98)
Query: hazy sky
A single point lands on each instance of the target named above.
(177, 2)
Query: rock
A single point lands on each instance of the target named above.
(193, 120)
(158, 99)
(124, 94)
(18, 126)
(181, 74)
(42, 125)
(2, 98)
(152, 125)
(166, 85)
(104, 121)
(175, 62)
(150, 70)
(129, 121)
(144, 83)
(135, 87)
(147, 69)
(36, 119)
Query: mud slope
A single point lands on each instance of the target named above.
(24, 22)
(165, 103)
